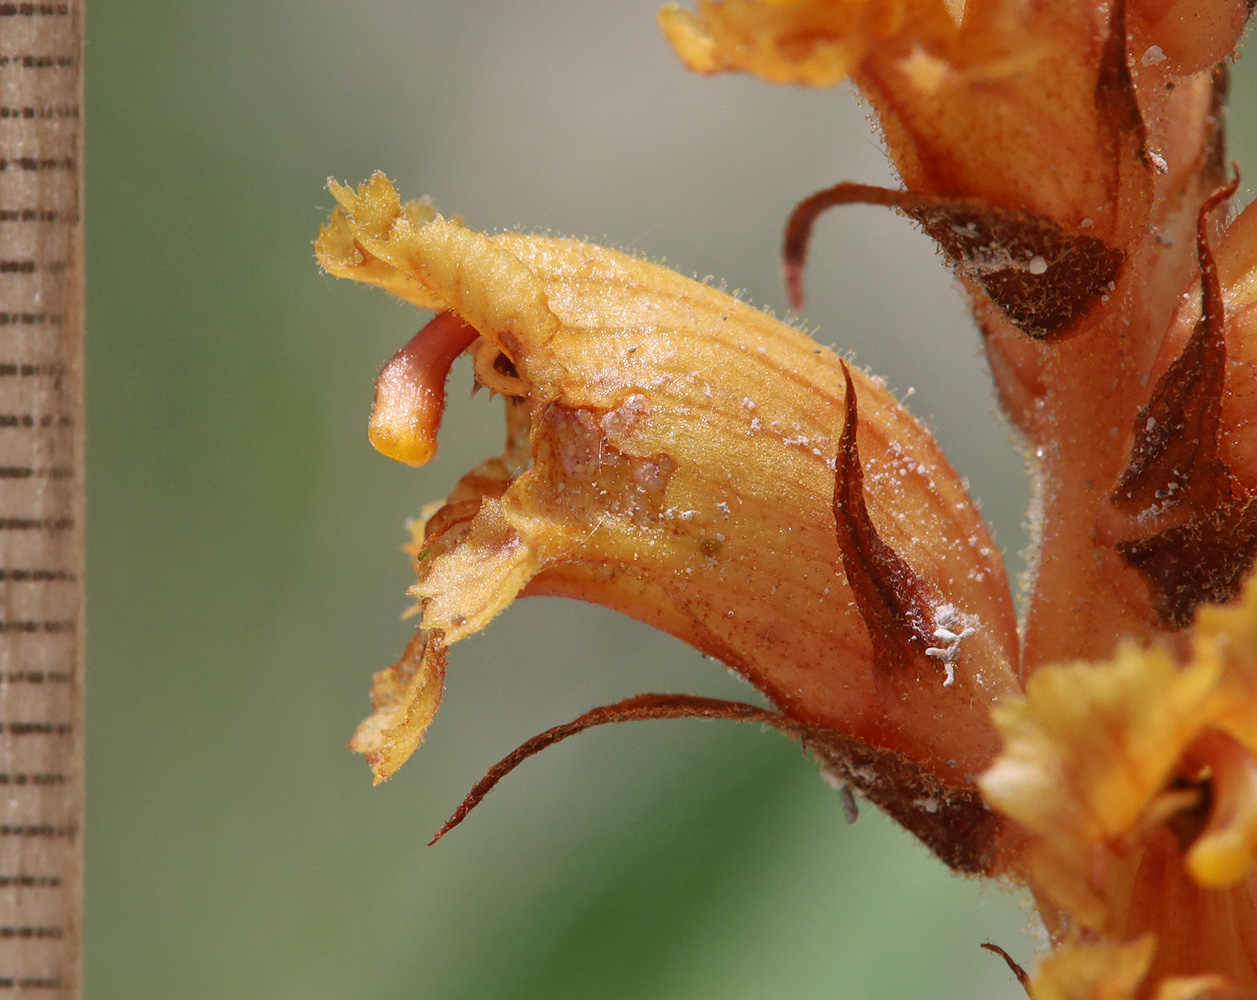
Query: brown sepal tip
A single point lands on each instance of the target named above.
(639, 708)
(1022, 976)
(1042, 277)
(953, 822)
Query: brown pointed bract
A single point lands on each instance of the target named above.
(891, 598)
(1206, 537)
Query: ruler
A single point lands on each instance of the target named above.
(41, 498)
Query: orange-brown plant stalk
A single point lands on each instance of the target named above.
(676, 455)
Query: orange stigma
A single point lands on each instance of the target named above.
(410, 391)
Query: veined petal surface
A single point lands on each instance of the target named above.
(672, 453)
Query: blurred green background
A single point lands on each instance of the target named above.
(245, 572)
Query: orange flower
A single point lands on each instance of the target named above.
(680, 457)
(673, 453)
(1137, 780)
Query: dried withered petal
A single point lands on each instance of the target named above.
(405, 697)
(1039, 275)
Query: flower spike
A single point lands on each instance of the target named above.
(677, 456)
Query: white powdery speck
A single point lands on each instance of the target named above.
(946, 619)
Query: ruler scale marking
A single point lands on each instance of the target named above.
(41, 499)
